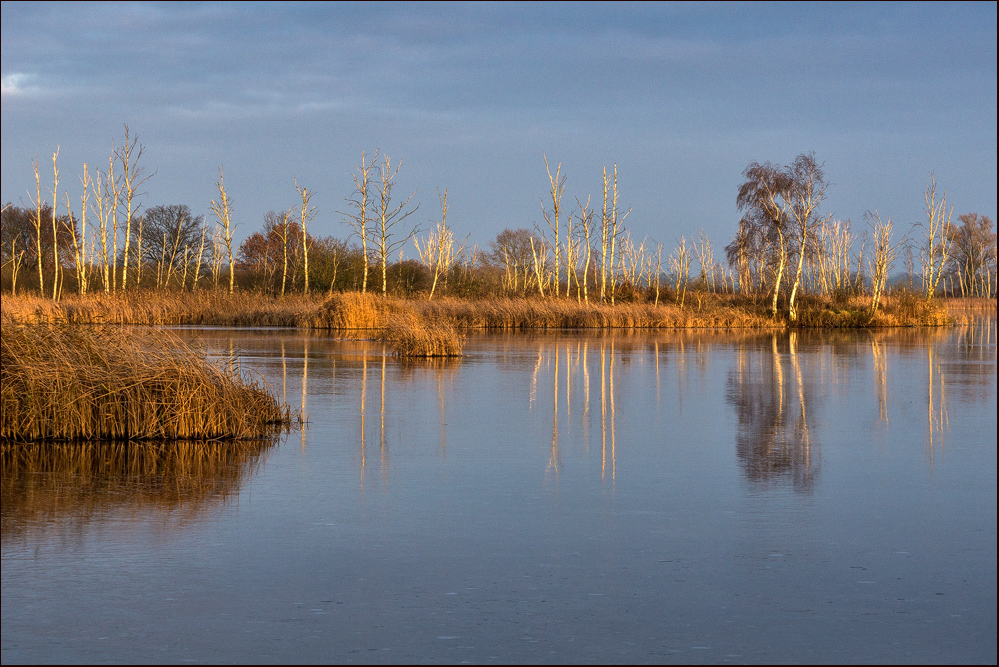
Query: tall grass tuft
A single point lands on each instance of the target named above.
(352, 310)
(67, 382)
(414, 336)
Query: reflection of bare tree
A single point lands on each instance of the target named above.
(936, 401)
(55, 485)
(970, 363)
(774, 401)
(553, 459)
(880, 357)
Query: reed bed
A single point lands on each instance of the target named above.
(71, 382)
(413, 336)
(902, 309)
(159, 308)
(354, 311)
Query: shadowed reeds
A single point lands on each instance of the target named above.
(66, 382)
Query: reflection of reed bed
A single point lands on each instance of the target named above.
(66, 382)
(968, 310)
(84, 482)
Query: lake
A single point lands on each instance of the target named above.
(692, 496)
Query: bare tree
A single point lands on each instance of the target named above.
(307, 213)
(102, 198)
(171, 228)
(80, 240)
(679, 264)
(611, 228)
(808, 188)
(937, 241)
(512, 250)
(223, 211)
(128, 157)
(37, 202)
(201, 255)
(388, 217)
(765, 199)
(973, 255)
(780, 207)
(362, 202)
(439, 251)
(284, 233)
(557, 183)
(884, 257)
(55, 226)
(586, 228)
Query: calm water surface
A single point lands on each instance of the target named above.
(615, 497)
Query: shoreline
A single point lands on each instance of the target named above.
(351, 311)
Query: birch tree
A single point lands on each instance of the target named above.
(388, 217)
(306, 214)
(37, 222)
(131, 179)
(361, 201)
(884, 257)
(439, 251)
(223, 212)
(807, 190)
(937, 239)
(557, 185)
(55, 225)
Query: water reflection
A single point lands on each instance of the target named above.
(67, 487)
(775, 404)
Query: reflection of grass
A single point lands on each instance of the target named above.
(968, 310)
(66, 382)
(45, 482)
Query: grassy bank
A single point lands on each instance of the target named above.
(69, 382)
(351, 311)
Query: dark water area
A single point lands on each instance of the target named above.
(602, 497)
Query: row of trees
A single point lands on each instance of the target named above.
(784, 246)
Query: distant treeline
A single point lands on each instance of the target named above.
(784, 245)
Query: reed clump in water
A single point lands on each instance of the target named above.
(414, 336)
(353, 310)
(66, 382)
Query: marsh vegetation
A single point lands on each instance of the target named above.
(71, 382)
(789, 261)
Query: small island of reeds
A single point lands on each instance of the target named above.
(71, 382)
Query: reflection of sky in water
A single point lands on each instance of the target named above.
(620, 496)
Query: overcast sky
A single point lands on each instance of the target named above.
(472, 97)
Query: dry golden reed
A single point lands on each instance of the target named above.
(72, 382)
(354, 311)
(413, 336)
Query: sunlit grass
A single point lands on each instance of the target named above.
(75, 382)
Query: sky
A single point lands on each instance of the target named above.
(473, 97)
